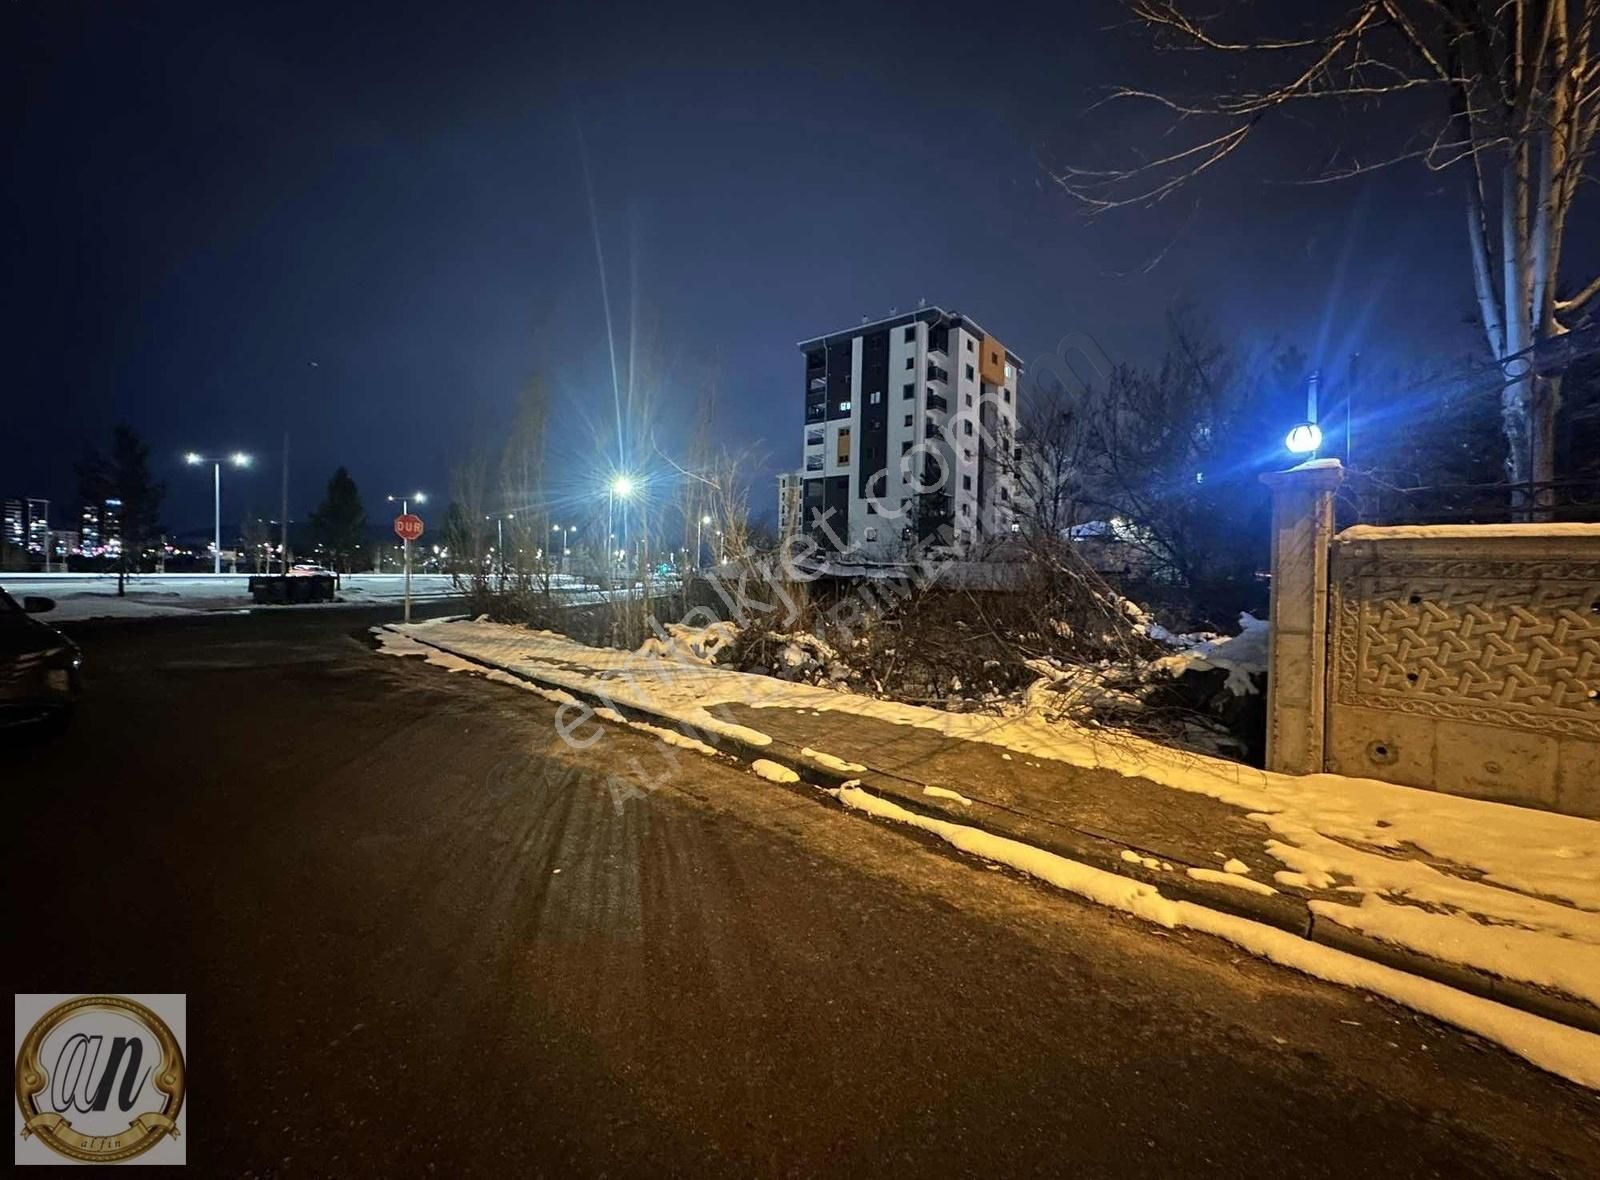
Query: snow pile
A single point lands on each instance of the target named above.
(690, 644)
(1243, 656)
(1567, 1052)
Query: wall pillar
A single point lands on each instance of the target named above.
(1297, 653)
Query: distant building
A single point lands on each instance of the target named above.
(14, 523)
(910, 424)
(791, 489)
(63, 544)
(38, 526)
(100, 529)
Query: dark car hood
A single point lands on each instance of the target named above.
(22, 634)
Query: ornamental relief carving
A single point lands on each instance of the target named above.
(1512, 643)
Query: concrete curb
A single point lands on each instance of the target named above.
(1280, 911)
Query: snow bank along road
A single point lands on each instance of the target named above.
(418, 932)
(1510, 892)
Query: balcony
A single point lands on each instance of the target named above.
(813, 438)
(817, 384)
(935, 373)
(936, 401)
(813, 462)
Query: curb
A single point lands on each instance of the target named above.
(1278, 911)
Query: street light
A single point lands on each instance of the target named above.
(566, 541)
(195, 459)
(620, 488)
(1304, 439)
(698, 551)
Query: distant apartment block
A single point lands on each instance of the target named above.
(38, 526)
(910, 426)
(100, 529)
(14, 523)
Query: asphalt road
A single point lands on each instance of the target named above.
(420, 934)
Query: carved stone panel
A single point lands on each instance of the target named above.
(1512, 643)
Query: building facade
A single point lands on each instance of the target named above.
(909, 436)
(38, 527)
(791, 486)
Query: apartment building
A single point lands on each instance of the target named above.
(791, 486)
(910, 433)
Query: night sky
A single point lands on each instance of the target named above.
(205, 198)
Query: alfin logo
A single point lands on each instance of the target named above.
(100, 1078)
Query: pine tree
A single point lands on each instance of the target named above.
(339, 524)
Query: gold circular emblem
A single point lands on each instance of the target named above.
(146, 1128)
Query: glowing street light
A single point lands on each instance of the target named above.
(620, 488)
(195, 459)
(698, 526)
(1304, 439)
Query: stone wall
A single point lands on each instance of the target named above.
(1462, 658)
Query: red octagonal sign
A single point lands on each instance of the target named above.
(408, 527)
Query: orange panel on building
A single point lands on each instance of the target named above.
(992, 361)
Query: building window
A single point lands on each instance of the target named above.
(966, 483)
(909, 389)
(1007, 396)
(842, 453)
(966, 427)
(872, 509)
(969, 398)
(844, 407)
(966, 508)
(904, 447)
(872, 534)
(1010, 372)
(970, 373)
(911, 362)
(814, 438)
(908, 419)
(911, 333)
(874, 397)
(1005, 493)
(966, 453)
(969, 343)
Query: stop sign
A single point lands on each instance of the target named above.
(408, 527)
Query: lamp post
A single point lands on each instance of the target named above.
(620, 488)
(698, 551)
(566, 542)
(238, 459)
(405, 508)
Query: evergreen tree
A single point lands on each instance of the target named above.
(125, 477)
(339, 524)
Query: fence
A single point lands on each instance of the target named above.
(1463, 658)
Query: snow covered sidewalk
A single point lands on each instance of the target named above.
(1498, 900)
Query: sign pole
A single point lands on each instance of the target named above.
(408, 528)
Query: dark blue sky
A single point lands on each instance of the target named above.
(204, 197)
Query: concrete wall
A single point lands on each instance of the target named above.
(1467, 659)
(1460, 658)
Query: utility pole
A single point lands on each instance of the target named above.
(283, 567)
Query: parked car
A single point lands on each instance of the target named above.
(302, 569)
(40, 668)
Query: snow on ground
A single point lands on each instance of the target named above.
(94, 596)
(1397, 851)
(1571, 1053)
(774, 771)
(1233, 879)
(838, 765)
(1241, 656)
(945, 793)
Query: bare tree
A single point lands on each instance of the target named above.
(1515, 102)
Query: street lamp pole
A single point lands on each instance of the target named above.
(238, 459)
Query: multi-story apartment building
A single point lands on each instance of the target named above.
(910, 429)
(38, 527)
(14, 524)
(100, 529)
